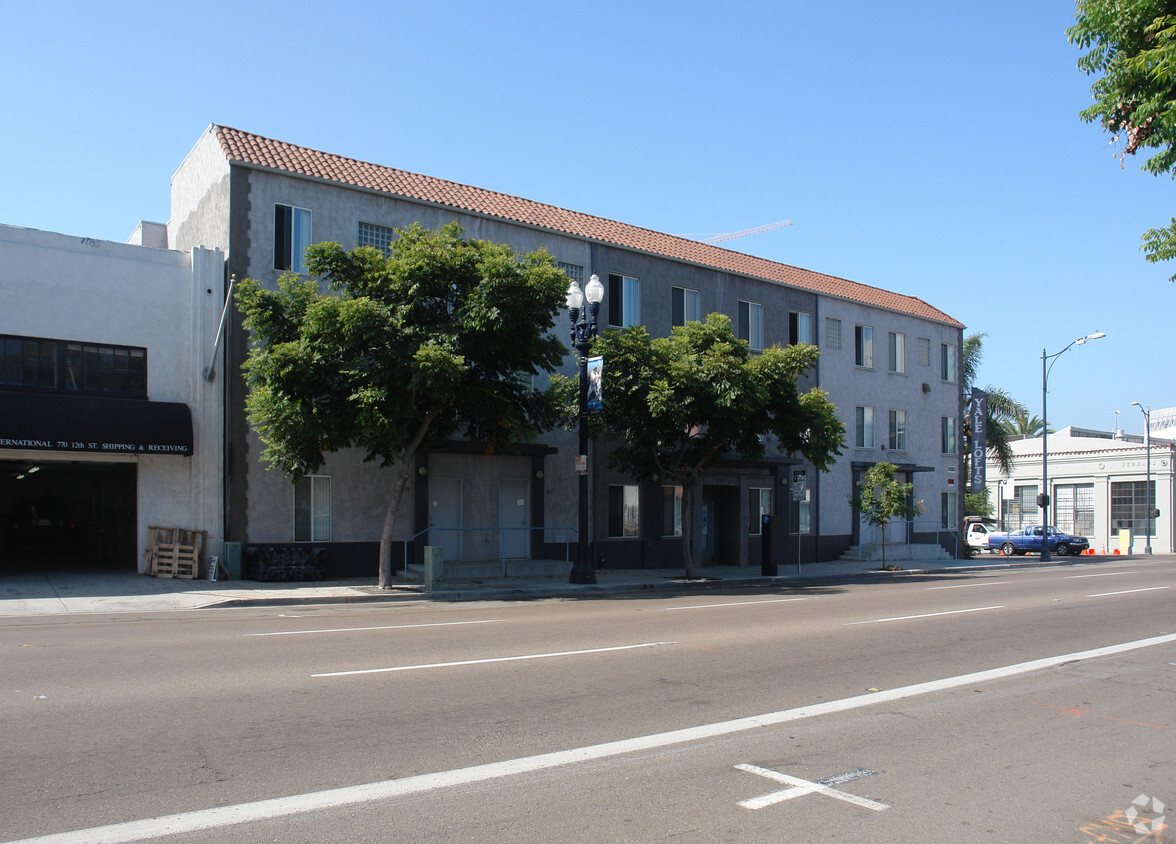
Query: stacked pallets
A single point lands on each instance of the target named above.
(173, 552)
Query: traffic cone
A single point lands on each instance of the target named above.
(1116, 552)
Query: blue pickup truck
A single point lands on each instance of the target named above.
(1030, 539)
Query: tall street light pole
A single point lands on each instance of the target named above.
(1043, 498)
(583, 321)
(1147, 446)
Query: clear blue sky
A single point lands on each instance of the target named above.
(933, 148)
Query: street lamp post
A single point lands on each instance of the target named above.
(1043, 498)
(1147, 447)
(583, 322)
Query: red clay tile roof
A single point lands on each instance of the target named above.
(257, 151)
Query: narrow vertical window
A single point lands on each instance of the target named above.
(623, 511)
(898, 430)
(312, 509)
(799, 328)
(896, 352)
(291, 237)
(684, 303)
(671, 511)
(751, 325)
(863, 345)
(948, 507)
(832, 333)
(948, 357)
(948, 427)
(865, 427)
(624, 301)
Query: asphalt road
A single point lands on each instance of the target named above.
(1031, 704)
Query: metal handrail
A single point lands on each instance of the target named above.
(499, 530)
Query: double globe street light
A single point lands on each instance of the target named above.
(1043, 498)
(583, 321)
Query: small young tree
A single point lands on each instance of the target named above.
(675, 405)
(880, 497)
(403, 352)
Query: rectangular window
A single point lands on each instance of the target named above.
(948, 434)
(1129, 507)
(1074, 509)
(573, 271)
(751, 324)
(684, 303)
(896, 352)
(800, 328)
(924, 345)
(312, 509)
(832, 333)
(671, 511)
(863, 346)
(623, 512)
(1022, 509)
(291, 237)
(948, 357)
(947, 507)
(898, 440)
(865, 427)
(377, 237)
(36, 363)
(624, 301)
(759, 504)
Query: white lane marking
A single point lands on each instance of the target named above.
(1100, 574)
(969, 585)
(223, 816)
(1126, 592)
(489, 660)
(361, 629)
(799, 789)
(736, 604)
(924, 615)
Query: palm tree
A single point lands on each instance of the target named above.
(1024, 425)
(1001, 407)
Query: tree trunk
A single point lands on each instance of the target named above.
(688, 530)
(394, 500)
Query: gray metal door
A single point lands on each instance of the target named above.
(445, 516)
(514, 520)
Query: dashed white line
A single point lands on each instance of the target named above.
(923, 615)
(489, 660)
(225, 816)
(1126, 592)
(362, 629)
(736, 604)
(1100, 574)
(969, 585)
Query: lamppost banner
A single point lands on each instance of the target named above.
(595, 384)
(978, 408)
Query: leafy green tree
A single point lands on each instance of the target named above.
(402, 352)
(880, 497)
(678, 404)
(1131, 47)
(1001, 408)
(978, 504)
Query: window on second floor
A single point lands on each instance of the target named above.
(684, 303)
(800, 328)
(896, 352)
(35, 363)
(865, 427)
(924, 351)
(751, 324)
(863, 346)
(832, 333)
(948, 430)
(624, 301)
(898, 439)
(291, 237)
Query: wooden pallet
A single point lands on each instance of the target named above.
(173, 552)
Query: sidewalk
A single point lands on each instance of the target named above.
(98, 592)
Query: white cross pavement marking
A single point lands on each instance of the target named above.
(492, 659)
(736, 604)
(924, 615)
(802, 787)
(360, 629)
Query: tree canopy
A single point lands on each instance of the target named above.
(402, 351)
(675, 405)
(1131, 47)
(880, 497)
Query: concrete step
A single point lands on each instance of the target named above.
(464, 571)
(894, 553)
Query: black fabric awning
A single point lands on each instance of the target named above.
(63, 422)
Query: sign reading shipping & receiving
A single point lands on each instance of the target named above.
(63, 422)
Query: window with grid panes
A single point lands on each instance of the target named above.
(832, 333)
(378, 237)
(924, 353)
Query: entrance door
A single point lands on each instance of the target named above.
(445, 516)
(514, 520)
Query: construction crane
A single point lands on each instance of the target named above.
(721, 236)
